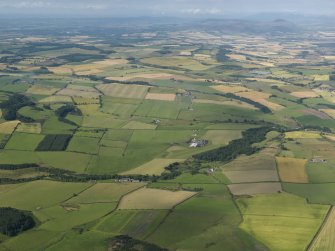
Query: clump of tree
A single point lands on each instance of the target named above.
(14, 103)
(221, 56)
(64, 110)
(127, 243)
(236, 147)
(17, 166)
(14, 221)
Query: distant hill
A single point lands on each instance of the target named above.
(251, 26)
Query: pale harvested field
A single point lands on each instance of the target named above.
(306, 94)
(237, 57)
(123, 91)
(252, 176)
(329, 112)
(147, 198)
(159, 76)
(60, 70)
(316, 113)
(292, 170)
(228, 102)
(153, 167)
(325, 239)
(29, 128)
(321, 77)
(161, 96)
(56, 99)
(330, 137)
(87, 69)
(261, 97)
(230, 89)
(8, 127)
(255, 188)
(42, 90)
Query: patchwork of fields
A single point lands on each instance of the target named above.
(183, 139)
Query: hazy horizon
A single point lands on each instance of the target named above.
(156, 8)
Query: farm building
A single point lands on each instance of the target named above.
(198, 143)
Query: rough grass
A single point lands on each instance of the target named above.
(282, 221)
(161, 96)
(252, 176)
(302, 135)
(147, 198)
(123, 91)
(255, 188)
(56, 99)
(292, 170)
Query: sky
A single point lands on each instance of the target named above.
(159, 8)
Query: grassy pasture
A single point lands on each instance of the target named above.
(135, 223)
(282, 221)
(122, 110)
(123, 91)
(314, 193)
(159, 109)
(214, 220)
(236, 103)
(222, 137)
(84, 145)
(42, 90)
(77, 162)
(148, 198)
(292, 170)
(105, 192)
(24, 141)
(138, 125)
(29, 128)
(32, 197)
(153, 167)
